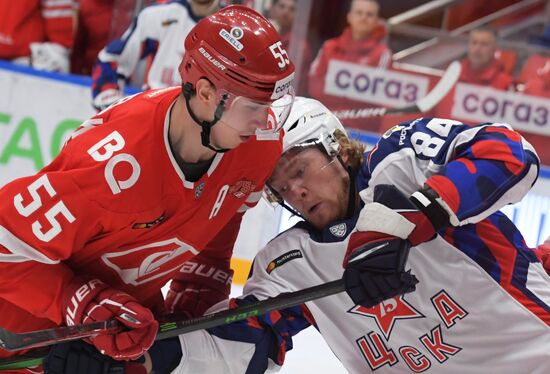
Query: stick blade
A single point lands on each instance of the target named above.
(11, 341)
(441, 89)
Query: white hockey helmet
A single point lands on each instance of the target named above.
(310, 123)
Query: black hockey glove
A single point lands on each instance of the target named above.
(375, 271)
(378, 251)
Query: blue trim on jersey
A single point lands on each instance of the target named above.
(479, 182)
(272, 338)
(186, 4)
(525, 256)
(149, 47)
(476, 243)
(117, 45)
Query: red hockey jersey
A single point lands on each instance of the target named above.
(115, 205)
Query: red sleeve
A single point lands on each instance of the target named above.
(217, 254)
(59, 20)
(43, 220)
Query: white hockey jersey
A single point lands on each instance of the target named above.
(482, 304)
(158, 32)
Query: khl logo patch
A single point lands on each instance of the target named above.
(339, 230)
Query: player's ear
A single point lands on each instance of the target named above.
(206, 92)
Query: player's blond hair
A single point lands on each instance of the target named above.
(353, 149)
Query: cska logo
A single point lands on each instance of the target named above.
(388, 312)
(242, 188)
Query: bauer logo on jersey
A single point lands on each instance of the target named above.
(283, 259)
(233, 37)
(339, 230)
(242, 188)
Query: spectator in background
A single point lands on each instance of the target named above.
(157, 33)
(480, 65)
(539, 84)
(37, 33)
(361, 43)
(282, 14)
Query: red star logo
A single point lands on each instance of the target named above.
(387, 312)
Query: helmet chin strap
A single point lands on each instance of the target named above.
(206, 126)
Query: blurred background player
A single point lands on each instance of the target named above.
(476, 254)
(124, 209)
(38, 33)
(154, 36)
(98, 23)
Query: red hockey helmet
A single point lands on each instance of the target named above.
(241, 53)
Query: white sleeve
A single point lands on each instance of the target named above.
(476, 170)
(204, 353)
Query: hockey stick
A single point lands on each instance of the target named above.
(428, 102)
(11, 341)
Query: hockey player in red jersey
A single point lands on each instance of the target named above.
(151, 189)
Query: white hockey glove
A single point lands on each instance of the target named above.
(50, 57)
(106, 98)
(23, 61)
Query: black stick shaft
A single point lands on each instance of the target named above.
(13, 341)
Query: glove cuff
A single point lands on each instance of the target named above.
(79, 294)
(209, 273)
(425, 199)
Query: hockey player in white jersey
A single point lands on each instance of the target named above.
(470, 297)
(156, 33)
